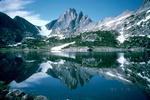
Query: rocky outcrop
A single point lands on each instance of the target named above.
(69, 23)
(19, 95)
(129, 23)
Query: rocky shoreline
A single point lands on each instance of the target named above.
(19, 95)
(100, 49)
(6, 94)
(80, 49)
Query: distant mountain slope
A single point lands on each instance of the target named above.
(14, 30)
(129, 23)
(26, 26)
(144, 6)
(71, 25)
(10, 32)
(139, 22)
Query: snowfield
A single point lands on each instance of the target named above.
(59, 48)
(44, 31)
(14, 45)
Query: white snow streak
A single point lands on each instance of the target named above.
(148, 79)
(59, 48)
(117, 76)
(144, 20)
(14, 45)
(121, 38)
(148, 11)
(60, 36)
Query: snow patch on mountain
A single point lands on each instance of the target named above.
(113, 23)
(14, 45)
(147, 78)
(60, 36)
(59, 48)
(44, 31)
(148, 11)
(144, 20)
(121, 38)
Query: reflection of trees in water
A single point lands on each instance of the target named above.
(78, 70)
(138, 56)
(99, 60)
(14, 66)
(139, 75)
(138, 69)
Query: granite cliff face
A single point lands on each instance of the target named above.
(129, 23)
(68, 24)
(72, 24)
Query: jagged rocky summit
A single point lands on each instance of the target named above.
(71, 24)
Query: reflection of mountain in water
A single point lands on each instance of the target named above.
(80, 70)
(16, 67)
(73, 71)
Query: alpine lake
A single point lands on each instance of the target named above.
(78, 76)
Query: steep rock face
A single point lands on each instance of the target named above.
(51, 24)
(69, 23)
(139, 22)
(128, 23)
(26, 26)
(114, 23)
(145, 5)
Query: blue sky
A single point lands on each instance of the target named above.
(46, 10)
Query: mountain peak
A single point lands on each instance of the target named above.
(6, 21)
(69, 14)
(145, 6)
(26, 25)
(69, 22)
(146, 3)
(16, 17)
(70, 11)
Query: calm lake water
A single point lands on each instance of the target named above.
(78, 76)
